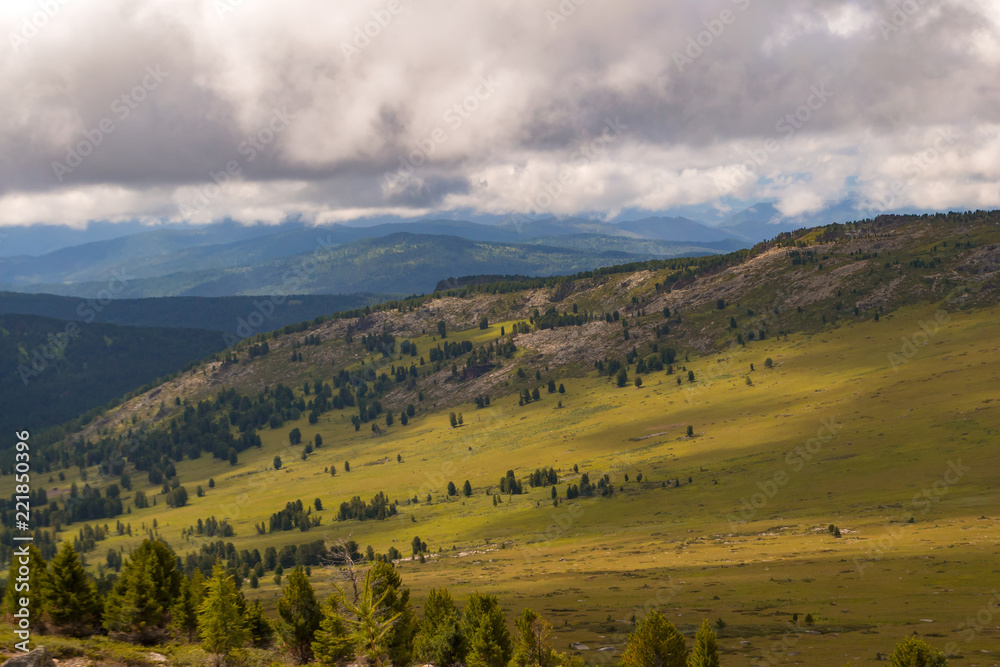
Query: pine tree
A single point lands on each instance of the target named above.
(439, 639)
(68, 594)
(706, 649)
(300, 615)
(655, 643)
(484, 628)
(139, 604)
(467, 489)
(333, 643)
(531, 642)
(219, 620)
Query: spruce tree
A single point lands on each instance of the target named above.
(334, 643)
(138, 606)
(655, 643)
(219, 620)
(300, 615)
(531, 642)
(68, 594)
(706, 649)
(484, 628)
(388, 586)
(439, 639)
(25, 587)
(369, 621)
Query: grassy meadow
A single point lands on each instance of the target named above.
(897, 452)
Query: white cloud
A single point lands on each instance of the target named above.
(357, 119)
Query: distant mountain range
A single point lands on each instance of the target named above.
(230, 259)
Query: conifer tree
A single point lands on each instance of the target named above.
(439, 639)
(300, 615)
(184, 614)
(139, 604)
(484, 628)
(68, 594)
(531, 642)
(655, 643)
(219, 620)
(388, 586)
(370, 620)
(706, 649)
(260, 629)
(334, 642)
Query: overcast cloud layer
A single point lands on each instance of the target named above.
(122, 109)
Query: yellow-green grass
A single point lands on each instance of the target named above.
(686, 550)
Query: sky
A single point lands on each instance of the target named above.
(199, 110)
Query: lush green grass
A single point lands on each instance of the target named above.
(685, 550)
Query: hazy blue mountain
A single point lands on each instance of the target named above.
(398, 263)
(676, 229)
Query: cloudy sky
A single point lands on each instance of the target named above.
(138, 109)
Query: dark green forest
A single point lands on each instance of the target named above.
(53, 370)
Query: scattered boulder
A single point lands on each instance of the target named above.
(36, 658)
(577, 646)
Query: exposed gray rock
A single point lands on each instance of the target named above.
(36, 658)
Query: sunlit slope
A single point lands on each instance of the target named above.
(833, 433)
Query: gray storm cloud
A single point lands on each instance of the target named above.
(256, 110)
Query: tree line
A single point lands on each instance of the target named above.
(369, 615)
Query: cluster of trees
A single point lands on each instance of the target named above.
(510, 485)
(543, 477)
(295, 515)
(552, 319)
(378, 509)
(211, 527)
(449, 351)
(604, 487)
